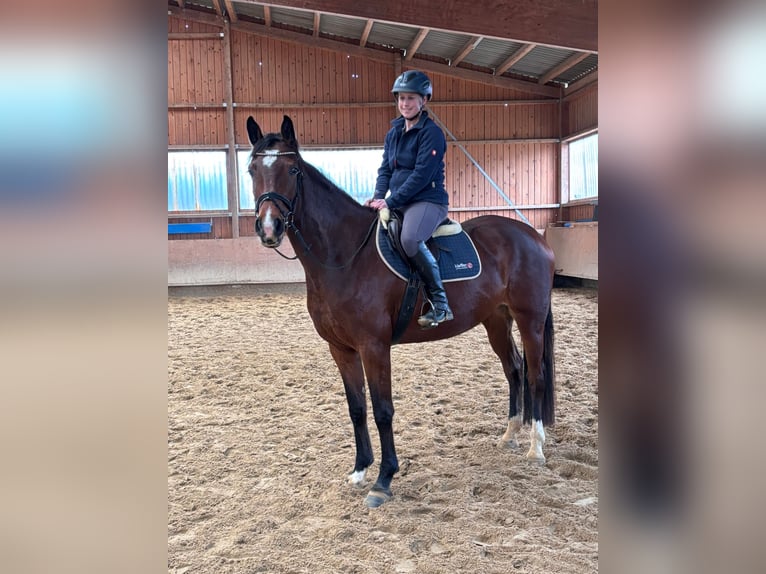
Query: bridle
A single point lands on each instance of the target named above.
(288, 213)
(285, 206)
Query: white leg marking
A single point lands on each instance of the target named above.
(537, 440)
(509, 438)
(357, 477)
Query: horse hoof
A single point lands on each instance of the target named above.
(536, 460)
(511, 444)
(376, 498)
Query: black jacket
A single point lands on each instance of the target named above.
(413, 164)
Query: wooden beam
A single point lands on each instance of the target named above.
(267, 16)
(217, 6)
(572, 60)
(231, 11)
(413, 47)
(317, 17)
(366, 33)
(578, 85)
(198, 147)
(469, 47)
(512, 141)
(331, 105)
(560, 23)
(231, 154)
(180, 3)
(513, 58)
(580, 134)
(506, 207)
(195, 35)
(290, 36)
(498, 81)
(200, 106)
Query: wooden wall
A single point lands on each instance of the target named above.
(581, 110)
(195, 76)
(337, 99)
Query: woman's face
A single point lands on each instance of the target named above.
(409, 104)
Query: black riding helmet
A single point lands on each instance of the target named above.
(415, 82)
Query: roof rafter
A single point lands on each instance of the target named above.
(230, 10)
(572, 60)
(499, 81)
(513, 58)
(413, 47)
(556, 23)
(217, 6)
(366, 33)
(469, 47)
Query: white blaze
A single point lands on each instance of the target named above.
(270, 157)
(268, 222)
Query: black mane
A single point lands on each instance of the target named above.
(271, 139)
(319, 178)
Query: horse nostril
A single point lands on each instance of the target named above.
(278, 227)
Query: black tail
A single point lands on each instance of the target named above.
(549, 377)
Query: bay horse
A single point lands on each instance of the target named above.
(353, 298)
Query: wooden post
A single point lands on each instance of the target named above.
(232, 180)
(397, 66)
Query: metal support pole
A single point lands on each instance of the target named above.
(484, 173)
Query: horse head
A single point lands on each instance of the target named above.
(276, 174)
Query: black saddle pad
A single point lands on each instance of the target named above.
(457, 256)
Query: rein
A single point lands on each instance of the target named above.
(288, 214)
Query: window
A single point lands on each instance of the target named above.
(583, 168)
(352, 170)
(197, 181)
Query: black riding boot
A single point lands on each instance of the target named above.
(428, 269)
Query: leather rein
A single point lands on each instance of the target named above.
(288, 212)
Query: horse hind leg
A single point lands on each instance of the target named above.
(539, 405)
(499, 331)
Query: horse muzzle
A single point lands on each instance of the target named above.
(270, 231)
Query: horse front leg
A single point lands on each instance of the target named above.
(350, 367)
(377, 365)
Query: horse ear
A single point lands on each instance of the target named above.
(253, 130)
(288, 132)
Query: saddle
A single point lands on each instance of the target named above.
(450, 244)
(452, 247)
(392, 223)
